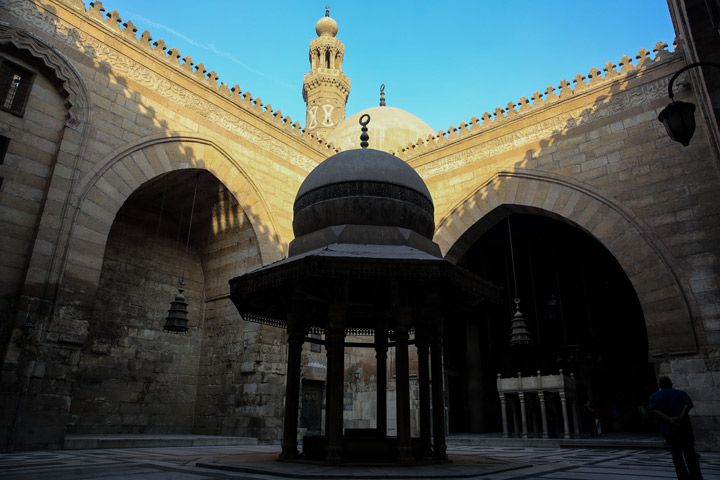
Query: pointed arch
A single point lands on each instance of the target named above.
(105, 189)
(646, 263)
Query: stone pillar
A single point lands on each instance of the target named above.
(543, 414)
(296, 335)
(438, 399)
(523, 416)
(381, 347)
(503, 409)
(402, 386)
(423, 350)
(335, 346)
(563, 404)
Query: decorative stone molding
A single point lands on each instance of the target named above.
(77, 98)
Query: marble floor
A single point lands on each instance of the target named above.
(180, 463)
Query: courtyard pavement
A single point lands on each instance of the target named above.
(485, 462)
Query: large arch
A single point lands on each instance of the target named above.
(106, 188)
(665, 307)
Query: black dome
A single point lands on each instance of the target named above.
(363, 187)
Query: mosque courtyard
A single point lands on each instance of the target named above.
(470, 461)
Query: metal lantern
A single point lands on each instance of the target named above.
(177, 318)
(519, 332)
(679, 120)
(679, 117)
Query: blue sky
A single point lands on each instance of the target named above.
(443, 61)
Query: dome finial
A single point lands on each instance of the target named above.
(326, 26)
(364, 137)
(382, 95)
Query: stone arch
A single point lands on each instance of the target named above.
(77, 97)
(106, 188)
(662, 297)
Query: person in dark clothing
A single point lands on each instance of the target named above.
(670, 407)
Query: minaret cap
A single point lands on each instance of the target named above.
(326, 26)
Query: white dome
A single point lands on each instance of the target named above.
(390, 130)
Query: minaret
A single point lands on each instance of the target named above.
(325, 87)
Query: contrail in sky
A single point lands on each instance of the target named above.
(211, 48)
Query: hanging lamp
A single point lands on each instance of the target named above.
(177, 317)
(519, 332)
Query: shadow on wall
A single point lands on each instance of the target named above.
(97, 360)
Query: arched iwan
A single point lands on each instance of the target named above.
(105, 189)
(667, 314)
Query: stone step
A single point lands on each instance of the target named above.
(83, 442)
(604, 441)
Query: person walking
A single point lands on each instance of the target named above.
(670, 407)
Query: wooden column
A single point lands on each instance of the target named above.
(381, 347)
(335, 346)
(402, 385)
(438, 394)
(296, 334)
(422, 342)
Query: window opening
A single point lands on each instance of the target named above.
(15, 83)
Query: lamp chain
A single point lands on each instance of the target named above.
(512, 257)
(187, 241)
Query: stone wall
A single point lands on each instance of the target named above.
(242, 364)
(601, 161)
(134, 377)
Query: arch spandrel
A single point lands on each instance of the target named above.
(648, 266)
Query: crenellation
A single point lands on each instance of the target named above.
(579, 81)
(145, 40)
(96, 10)
(130, 30)
(567, 89)
(661, 51)
(643, 58)
(550, 95)
(188, 63)
(114, 21)
(522, 106)
(610, 71)
(173, 57)
(626, 64)
(160, 47)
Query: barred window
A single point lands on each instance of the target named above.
(15, 83)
